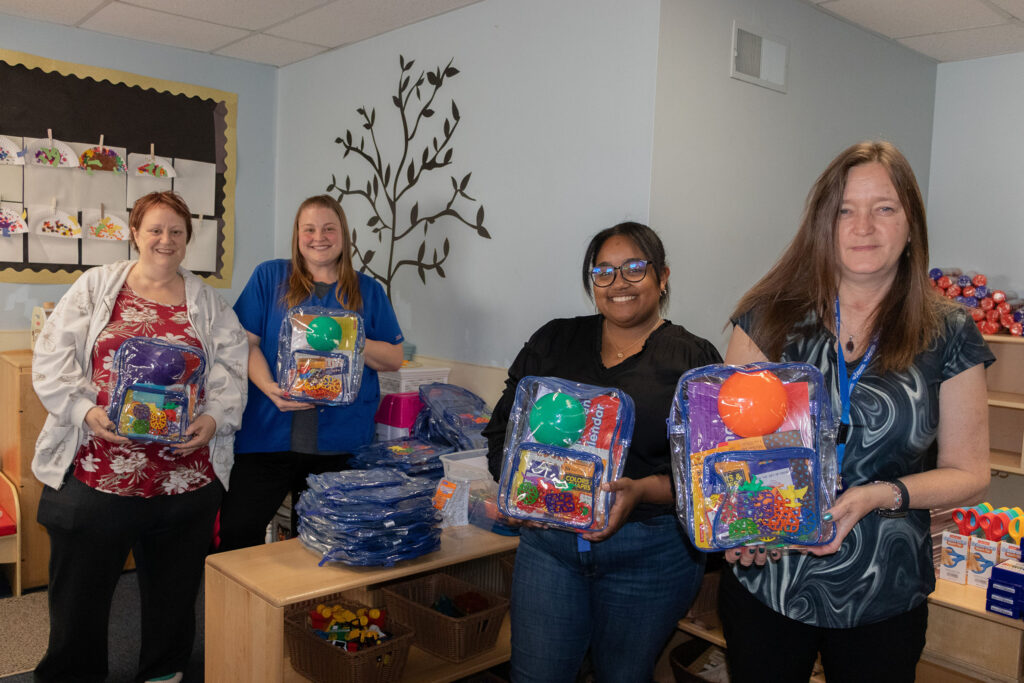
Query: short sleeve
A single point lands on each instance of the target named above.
(378, 314)
(252, 307)
(964, 345)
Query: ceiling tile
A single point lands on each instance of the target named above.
(248, 14)
(916, 17)
(1014, 7)
(270, 50)
(346, 21)
(55, 11)
(969, 44)
(157, 27)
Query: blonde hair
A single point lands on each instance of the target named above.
(300, 282)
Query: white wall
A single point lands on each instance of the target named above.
(557, 113)
(255, 85)
(975, 213)
(733, 162)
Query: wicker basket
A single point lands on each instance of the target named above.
(318, 660)
(453, 639)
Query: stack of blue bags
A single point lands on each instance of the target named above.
(374, 517)
(452, 415)
(414, 457)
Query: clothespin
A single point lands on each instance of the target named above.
(152, 153)
(101, 139)
(49, 137)
(101, 209)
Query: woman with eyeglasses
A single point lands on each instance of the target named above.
(620, 592)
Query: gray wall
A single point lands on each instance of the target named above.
(256, 88)
(733, 161)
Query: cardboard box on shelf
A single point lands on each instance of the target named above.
(410, 378)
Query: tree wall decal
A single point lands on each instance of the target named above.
(390, 185)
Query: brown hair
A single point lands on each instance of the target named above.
(172, 200)
(300, 282)
(803, 280)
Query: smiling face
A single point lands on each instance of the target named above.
(320, 240)
(161, 237)
(624, 303)
(872, 229)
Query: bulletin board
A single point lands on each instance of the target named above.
(78, 146)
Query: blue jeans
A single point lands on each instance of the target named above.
(622, 600)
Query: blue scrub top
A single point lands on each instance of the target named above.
(261, 310)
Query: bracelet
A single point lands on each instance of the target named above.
(900, 499)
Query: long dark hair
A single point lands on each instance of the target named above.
(804, 281)
(645, 239)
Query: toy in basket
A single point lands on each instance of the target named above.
(320, 355)
(331, 639)
(564, 440)
(156, 389)
(753, 455)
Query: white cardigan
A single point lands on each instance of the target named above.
(62, 367)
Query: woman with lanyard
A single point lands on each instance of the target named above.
(850, 296)
(282, 441)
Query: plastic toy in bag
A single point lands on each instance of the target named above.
(320, 355)
(156, 389)
(564, 440)
(753, 455)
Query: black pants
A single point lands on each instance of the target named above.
(763, 645)
(90, 535)
(259, 483)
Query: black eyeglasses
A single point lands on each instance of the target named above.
(633, 270)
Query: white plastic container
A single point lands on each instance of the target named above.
(466, 465)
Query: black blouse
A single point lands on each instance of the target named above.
(570, 348)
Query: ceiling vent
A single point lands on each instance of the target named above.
(758, 59)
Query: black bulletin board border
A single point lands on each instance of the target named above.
(132, 111)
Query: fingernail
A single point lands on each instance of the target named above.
(761, 550)
(827, 516)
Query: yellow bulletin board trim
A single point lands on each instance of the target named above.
(60, 274)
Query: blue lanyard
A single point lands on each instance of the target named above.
(846, 384)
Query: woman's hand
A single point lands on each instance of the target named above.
(850, 508)
(276, 395)
(99, 424)
(756, 555)
(200, 431)
(628, 492)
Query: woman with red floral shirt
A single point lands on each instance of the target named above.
(105, 494)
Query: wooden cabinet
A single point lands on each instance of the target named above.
(248, 591)
(21, 418)
(1005, 380)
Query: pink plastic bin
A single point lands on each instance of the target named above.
(399, 410)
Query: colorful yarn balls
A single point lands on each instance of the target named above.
(557, 419)
(752, 403)
(324, 333)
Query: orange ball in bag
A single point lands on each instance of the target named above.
(752, 403)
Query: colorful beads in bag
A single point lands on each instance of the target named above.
(564, 440)
(320, 355)
(156, 389)
(753, 455)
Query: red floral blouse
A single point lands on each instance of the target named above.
(139, 468)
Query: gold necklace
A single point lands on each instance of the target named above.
(620, 352)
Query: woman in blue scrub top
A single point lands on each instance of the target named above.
(281, 441)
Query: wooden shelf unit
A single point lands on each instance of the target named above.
(1005, 380)
(248, 591)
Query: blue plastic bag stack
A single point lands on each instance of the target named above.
(452, 415)
(412, 456)
(373, 517)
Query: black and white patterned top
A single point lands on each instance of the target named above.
(884, 567)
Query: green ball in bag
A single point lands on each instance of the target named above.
(557, 419)
(324, 333)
